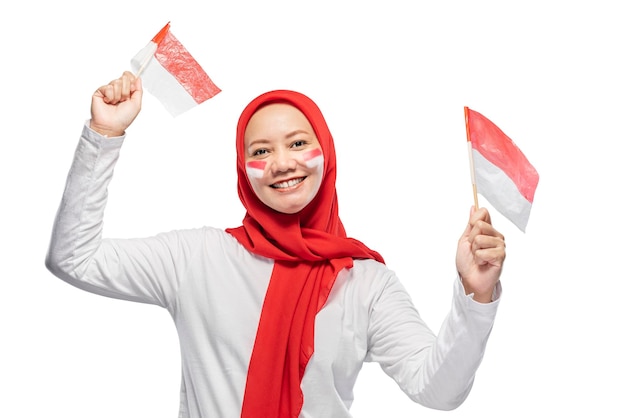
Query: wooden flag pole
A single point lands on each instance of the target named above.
(471, 156)
(144, 64)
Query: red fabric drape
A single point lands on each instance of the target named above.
(309, 249)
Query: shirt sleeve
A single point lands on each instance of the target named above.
(435, 370)
(140, 270)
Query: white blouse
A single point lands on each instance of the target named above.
(214, 290)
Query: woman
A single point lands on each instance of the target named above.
(275, 317)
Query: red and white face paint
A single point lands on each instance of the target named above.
(314, 158)
(255, 169)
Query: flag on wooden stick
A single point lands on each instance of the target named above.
(171, 74)
(500, 171)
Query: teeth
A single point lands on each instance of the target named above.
(288, 183)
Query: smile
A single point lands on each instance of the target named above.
(288, 183)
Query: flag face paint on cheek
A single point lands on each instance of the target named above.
(255, 169)
(314, 158)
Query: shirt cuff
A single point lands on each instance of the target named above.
(93, 135)
(468, 299)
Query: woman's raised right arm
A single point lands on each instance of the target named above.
(133, 269)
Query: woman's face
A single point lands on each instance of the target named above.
(284, 159)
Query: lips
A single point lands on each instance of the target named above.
(287, 183)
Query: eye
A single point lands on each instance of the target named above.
(299, 143)
(260, 151)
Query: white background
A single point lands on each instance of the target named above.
(392, 78)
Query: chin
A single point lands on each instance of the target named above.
(288, 211)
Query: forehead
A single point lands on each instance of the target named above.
(276, 119)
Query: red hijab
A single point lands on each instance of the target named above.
(309, 249)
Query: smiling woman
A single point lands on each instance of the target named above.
(276, 316)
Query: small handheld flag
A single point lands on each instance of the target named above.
(500, 171)
(171, 74)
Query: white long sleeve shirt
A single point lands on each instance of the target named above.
(214, 290)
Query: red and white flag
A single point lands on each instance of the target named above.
(171, 74)
(500, 171)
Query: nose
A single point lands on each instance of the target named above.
(283, 162)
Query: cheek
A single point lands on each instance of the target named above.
(314, 159)
(255, 170)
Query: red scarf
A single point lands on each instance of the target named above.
(309, 249)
